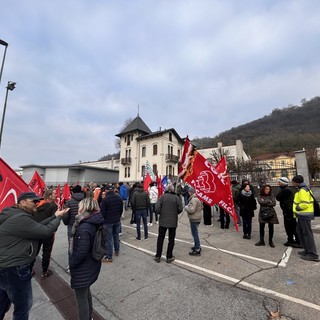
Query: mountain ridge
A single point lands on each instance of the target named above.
(284, 130)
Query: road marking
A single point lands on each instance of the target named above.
(234, 280)
(283, 262)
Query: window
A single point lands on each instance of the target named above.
(143, 170)
(170, 150)
(170, 136)
(127, 172)
(143, 151)
(155, 169)
(155, 149)
(179, 153)
(128, 140)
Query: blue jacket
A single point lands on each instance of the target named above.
(83, 268)
(123, 192)
(111, 208)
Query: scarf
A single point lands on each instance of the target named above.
(246, 193)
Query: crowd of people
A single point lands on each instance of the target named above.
(31, 223)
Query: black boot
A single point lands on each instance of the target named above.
(271, 244)
(260, 243)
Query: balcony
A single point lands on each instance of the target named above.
(125, 161)
(172, 158)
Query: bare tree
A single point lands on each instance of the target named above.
(118, 140)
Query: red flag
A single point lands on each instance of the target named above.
(159, 185)
(37, 185)
(66, 194)
(212, 184)
(11, 185)
(146, 182)
(58, 198)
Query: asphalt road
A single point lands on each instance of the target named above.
(233, 279)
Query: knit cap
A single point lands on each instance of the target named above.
(284, 180)
(298, 179)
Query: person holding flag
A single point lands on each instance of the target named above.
(20, 234)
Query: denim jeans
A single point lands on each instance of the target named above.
(15, 287)
(112, 231)
(152, 210)
(141, 213)
(194, 231)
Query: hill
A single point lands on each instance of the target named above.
(284, 130)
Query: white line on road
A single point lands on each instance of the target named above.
(283, 262)
(234, 280)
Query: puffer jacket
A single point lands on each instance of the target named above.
(73, 204)
(194, 209)
(111, 208)
(168, 207)
(20, 234)
(84, 269)
(303, 203)
(267, 201)
(140, 199)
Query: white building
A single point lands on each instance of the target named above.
(139, 145)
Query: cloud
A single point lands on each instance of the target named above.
(201, 67)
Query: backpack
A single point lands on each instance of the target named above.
(316, 207)
(100, 247)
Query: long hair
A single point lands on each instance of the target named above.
(263, 188)
(88, 205)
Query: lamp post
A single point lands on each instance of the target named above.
(11, 85)
(5, 44)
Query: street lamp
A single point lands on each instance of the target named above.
(3, 43)
(11, 85)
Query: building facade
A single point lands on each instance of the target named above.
(140, 148)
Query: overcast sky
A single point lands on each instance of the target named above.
(200, 67)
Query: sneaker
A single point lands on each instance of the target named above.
(245, 236)
(195, 253)
(68, 269)
(157, 259)
(192, 248)
(134, 225)
(308, 257)
(157, 222)
(146, 239)
(150, 224)
(120, 233)
(248, 237)
(46, 274)
(169, 260)
(138, 238)
(107, 260)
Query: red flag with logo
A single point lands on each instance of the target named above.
(146, 182)
(212, 184)
(11, 185)
(37, 185)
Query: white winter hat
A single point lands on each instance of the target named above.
(284, 180)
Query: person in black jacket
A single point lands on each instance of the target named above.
(168, 206)
(84, 269)
(285, 197)
(140, 203)
(73, 204)
(247, 204)
(45, 210)
(111, 208)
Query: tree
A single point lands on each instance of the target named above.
(313, 163)
(118, 140)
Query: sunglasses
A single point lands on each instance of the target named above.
(34, 201)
